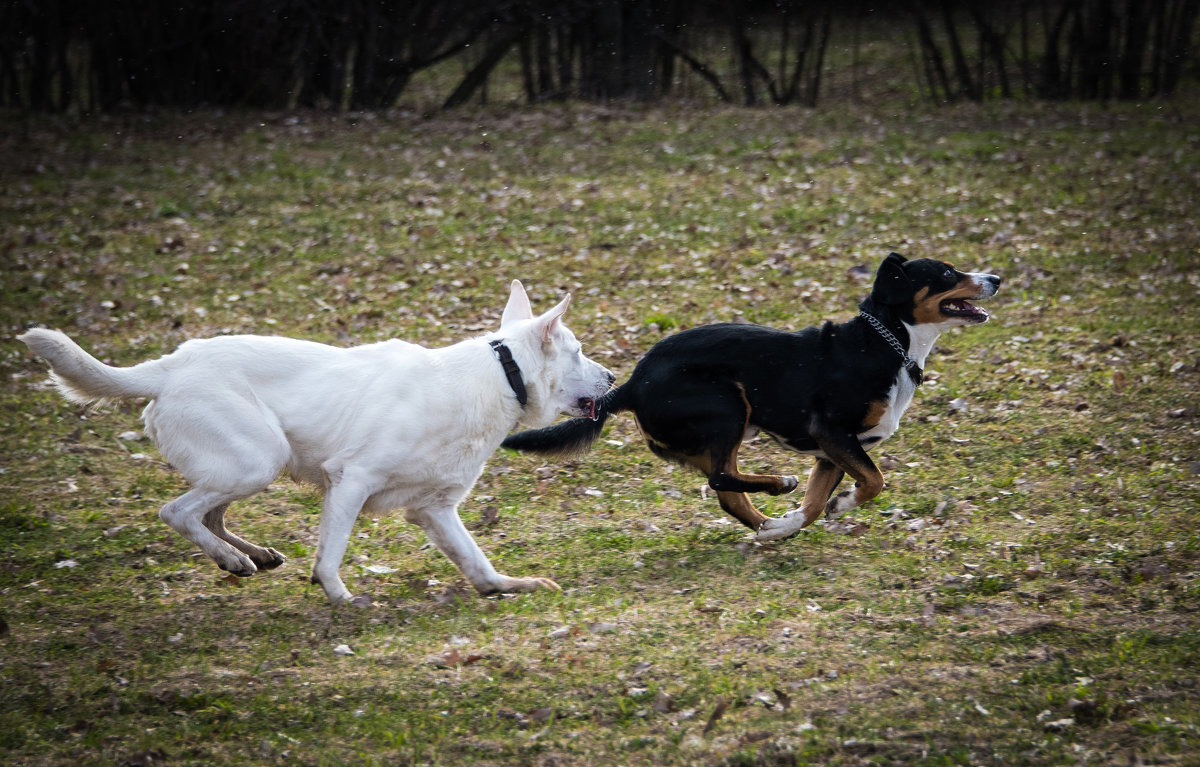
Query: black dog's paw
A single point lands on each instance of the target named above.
(786, 485)
(833, 508)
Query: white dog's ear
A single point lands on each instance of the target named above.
(518, 307)
(549, 321)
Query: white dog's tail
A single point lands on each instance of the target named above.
(84, 379)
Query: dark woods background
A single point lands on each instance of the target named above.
(98, 55)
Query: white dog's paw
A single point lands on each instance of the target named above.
(778, 528)
(509, 585)
(237, 563)
(335, 591)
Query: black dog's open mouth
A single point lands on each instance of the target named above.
(968, 311)
(587, 406)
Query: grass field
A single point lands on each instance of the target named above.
(1024, 591)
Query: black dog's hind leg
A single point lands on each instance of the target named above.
(737, 505)
(723, 445)
(727, 477)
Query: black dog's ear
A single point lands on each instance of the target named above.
(892, 285)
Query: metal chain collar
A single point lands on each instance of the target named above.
(909, 363)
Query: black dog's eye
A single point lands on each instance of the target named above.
(949, 274)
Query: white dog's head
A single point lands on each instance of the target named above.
(559, 378)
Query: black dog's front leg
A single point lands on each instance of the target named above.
(846, 453)
(840, 454)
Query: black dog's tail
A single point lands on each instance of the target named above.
(569, 437)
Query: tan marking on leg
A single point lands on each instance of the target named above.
(703, 463)
(739, 507)
(780, 484)
(868, 483)
(822, 481)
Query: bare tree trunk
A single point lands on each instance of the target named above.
(935, 67)
(818, 65)
(1133, 53)
(1179, 45)
(962, 70)
(546, 88)
(697, 66)
(477, 77)
(745, 56)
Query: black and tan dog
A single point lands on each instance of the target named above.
(832, 392)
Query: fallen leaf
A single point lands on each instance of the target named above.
(927, 614)
(754, 737)
(763, 698)
(146, 758)
(785, 700)
(717, 712)
(489, 516)
(663, 703)
(1085, 710)
(541, 714)
(451, 595)
(379, 569)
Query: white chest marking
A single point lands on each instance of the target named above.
(899, 397)
(920, 342)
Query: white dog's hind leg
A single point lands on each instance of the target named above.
(343, 500)
(263, 558)
(186, 516)
(446, 531)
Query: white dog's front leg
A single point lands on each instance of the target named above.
(445, 529)
(343, 501)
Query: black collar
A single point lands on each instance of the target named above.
(512, 370)
(914, 370)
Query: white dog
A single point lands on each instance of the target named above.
(379, 427)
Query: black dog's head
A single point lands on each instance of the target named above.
(928, 292)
